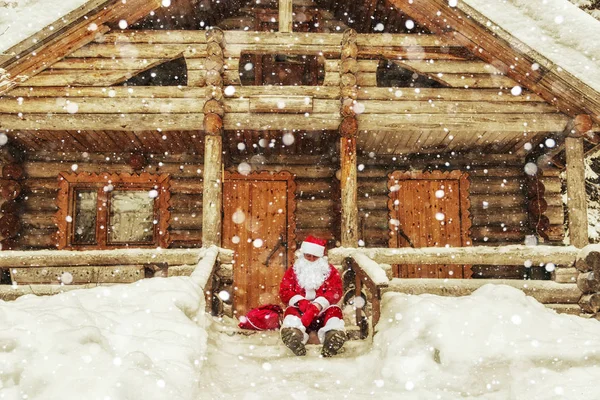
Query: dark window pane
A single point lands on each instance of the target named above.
(131, 217)
(85, 217)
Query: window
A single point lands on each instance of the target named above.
(112, 210)
(281, 69)
(390, 74)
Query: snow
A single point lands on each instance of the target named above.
(560, 33)
(19, 19)
(152, 340)
(371, 268)
(137, 341)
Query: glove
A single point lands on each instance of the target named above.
(309, 315)
(303, 305)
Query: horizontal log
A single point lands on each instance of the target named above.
(543, 291)
(313, 187)
(307, 205)
(274, 38)
(77, 275)
(316, 220)
(185, 221)
(79, 78)
(301, 171)
(167, 122)
(40, 169)
(565, 275)
(588, 282)
(40, 220)
(186, 235)
(508, 216)
(476, 80)
(495, 185)
(590, 303)
(494, 201)
(464, 122)
(191, 203)
(36, 238)
(277, 104)
(322, 92)
(439, 107)
(59, 258)
(376, 202)
(493, 234)
(10, 292)
(446, 66)
(484, 255)
(108, 64)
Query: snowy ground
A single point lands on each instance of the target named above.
(150, 340)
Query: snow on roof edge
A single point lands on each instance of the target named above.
(27, 17)
(550, 34)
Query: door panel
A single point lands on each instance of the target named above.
(254, 224)
(426, 213)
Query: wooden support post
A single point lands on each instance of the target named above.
(348, 132)
(576, 196)
(213, 144)
(285, 16)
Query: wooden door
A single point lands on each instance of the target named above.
(429, 210)
(258, 226)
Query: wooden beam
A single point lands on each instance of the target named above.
(286, 19)
(576, 195)
(275, 121)
(213, 147)
(348, 131)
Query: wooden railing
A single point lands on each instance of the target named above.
(46, 272)
(483, 255)
(368, 275)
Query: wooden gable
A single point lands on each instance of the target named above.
(474, 111)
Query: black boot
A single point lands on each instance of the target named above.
(334, 340)
(293, 338)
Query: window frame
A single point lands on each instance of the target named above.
(70, 183)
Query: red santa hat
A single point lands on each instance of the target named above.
(313, 246)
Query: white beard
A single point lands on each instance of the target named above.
(311, 275)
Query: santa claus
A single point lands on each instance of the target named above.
(312, 289)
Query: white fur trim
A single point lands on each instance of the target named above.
(294, 300)
(322, 301)
(291, 321)
(333, 324)
(312, 248)
(310, 294)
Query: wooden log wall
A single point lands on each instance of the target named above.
(11, 197)
(498, 206)
(41, 186)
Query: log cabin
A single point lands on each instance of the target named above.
(376, 124)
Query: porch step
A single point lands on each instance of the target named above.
(546, 292)
(267, 344)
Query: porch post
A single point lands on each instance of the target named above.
(213, 141)
(576, 195)
(285, 16)
(348, 132)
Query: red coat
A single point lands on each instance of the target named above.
(329, 293)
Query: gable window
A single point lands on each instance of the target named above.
(113, 210)
(390, 74)
(281, 70)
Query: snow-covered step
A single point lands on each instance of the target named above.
(546, 292)
(267, 344)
